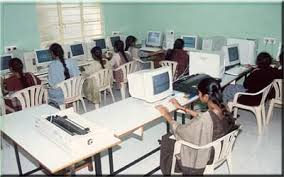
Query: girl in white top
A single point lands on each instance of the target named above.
(130, 46)
(90, 88)
(119, 58)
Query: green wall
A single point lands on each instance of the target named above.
(19, 26)
(243, 20)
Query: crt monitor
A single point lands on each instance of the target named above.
(231, 54)
(77, 50)
(43, 57)
(5, 62)
(113, 39)
(154, 38)
(191, 42)
(207, 62)
(151, 85)
(100, 43)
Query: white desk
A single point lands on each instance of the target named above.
(19, 126)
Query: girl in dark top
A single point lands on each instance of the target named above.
(259, 78)
(180, 56)
(18, 80)
(202, 129)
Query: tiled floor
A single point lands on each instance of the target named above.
(252, 154)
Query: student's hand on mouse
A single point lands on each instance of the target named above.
(175, 103)
(163, 110)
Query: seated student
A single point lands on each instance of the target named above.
(18, 80)
(130, 43)
(202, 129)
(180, 56)
(59, 70)
(259, 78)
(90, 88)
(119, 58)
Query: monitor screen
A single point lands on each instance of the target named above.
(113, 39)
(5, 62)
(233, 54)
(161, 83)
(43, 56)
(77, 49)
(100, 43)
(154, 38)
(189, 42)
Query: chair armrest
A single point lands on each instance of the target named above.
(244, 93)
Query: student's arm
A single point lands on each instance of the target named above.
(186, 110)
(52, 81)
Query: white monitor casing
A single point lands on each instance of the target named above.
(214, 43)
(247, 50)
(225, 50)
(141, 84)
(204, 62)
(155, 44)
(198, 42)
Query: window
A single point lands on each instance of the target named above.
(69, 22)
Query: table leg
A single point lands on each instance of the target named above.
(175, 115)
(110, 160)
(98, 165)
(18, 159)
(183, 118)
(168, 127)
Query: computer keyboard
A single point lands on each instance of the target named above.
(150, 49)
(237, 70)
(42, 71)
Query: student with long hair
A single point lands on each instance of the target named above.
(17, 80)
(119, 58)
(258, 79)
(130, 43)
(59, 70)
(180, 56)
(202, 129)
(90, 88)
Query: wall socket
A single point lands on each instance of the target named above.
(11, 48)
(269, 40)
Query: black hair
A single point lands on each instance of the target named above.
(17, 66)
(212, 87)
(263, 60)
(129, 41)
(57, 51)
(98, 57)
(119, 47)
(179, 44)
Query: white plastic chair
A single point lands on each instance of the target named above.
(126, 68)
(104, 80)
(172, 64)
(222, 151)
(31, 96)
(258, 110)
(277, 85)
(72, 89)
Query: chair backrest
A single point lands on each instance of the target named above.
(2, 104)
(127, 68)
(71, 88)
(277, 85)
(103, 78)
(31, 96)
(264, 92)
(172, 64)
(222, 146)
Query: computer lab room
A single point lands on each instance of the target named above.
(165, 87)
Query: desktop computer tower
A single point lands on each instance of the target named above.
(214, 43)
(29, 62)
(169, 40)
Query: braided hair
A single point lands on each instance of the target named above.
(57, 51)
(212, 87)
(17, 66)
(119, 47)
